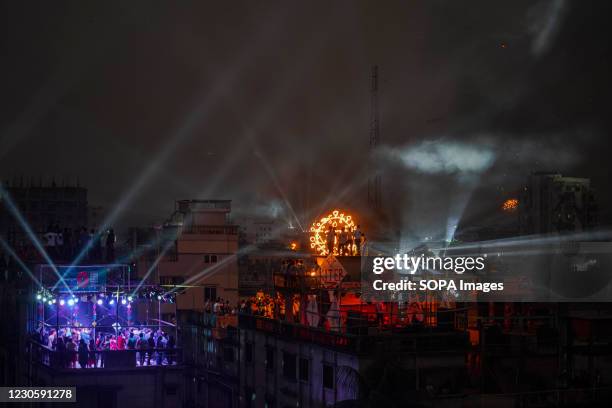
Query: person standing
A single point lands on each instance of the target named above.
(160, 344)
(71, 353)
(141, 345)
(97, 245)
(59, 243)
(151, 346)
(50, 242)
(67, 238)
(92, 353)
(357, 239)
(61, 352)
(120, 341)
(51, 339)
(346, 242)
(170, 346)
(83, 354)
(131, 343)
(329, 238)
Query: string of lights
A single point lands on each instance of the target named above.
(109, 298)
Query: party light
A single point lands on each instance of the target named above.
(334, 223)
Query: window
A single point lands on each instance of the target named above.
(304, 369)
(210, 258)
(248, 352)
(171, 280)
(269, 358)
(210, 293)
(289, 365)
(328, 376)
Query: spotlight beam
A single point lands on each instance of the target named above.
(153, 266)
(23, 266)
(33, 238)
(272, 176)
(533, 239)
(196, 116)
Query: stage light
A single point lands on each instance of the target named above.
(159, 297)
(44, 299)
(54, 300)
(123, 301)
(111, 302)
(99, 302)
(62, 302)
(129, 298)
(70, 302)
(76, 300)
(38, 297)
(50, 302)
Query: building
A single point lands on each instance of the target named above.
(258, 231)
(95, 216)
(42, 207)
(314, 342)
(552, 203)
(196, 247)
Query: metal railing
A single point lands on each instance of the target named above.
(105, 359)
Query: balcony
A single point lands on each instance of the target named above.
(106, 359)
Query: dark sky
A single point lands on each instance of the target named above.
(267, 103)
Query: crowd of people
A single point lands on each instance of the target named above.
(219, 307)
(84, 348)
(65, 243)
(345, 242)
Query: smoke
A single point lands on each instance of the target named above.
(444, 157)
(436, 179)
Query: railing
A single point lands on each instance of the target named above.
(105, 359)
(415, 339)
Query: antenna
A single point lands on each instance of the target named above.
(374, 183)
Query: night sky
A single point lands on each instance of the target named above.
(267, 103)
